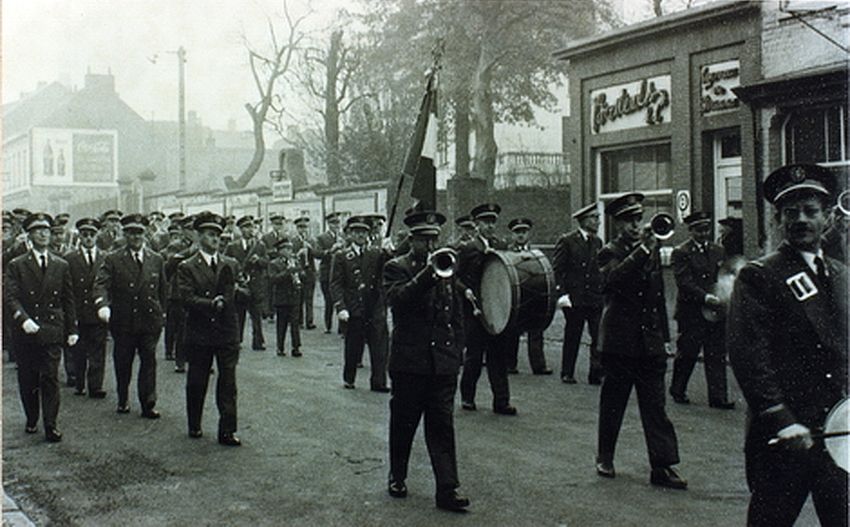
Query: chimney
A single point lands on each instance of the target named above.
(102, 83)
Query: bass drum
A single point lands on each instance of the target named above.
(517, 291)
(835, 431)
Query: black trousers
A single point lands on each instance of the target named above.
(126, 348)
(308, 289)
(175, 321)
(325, 285)
(360, 332)
(412, 397)
(38, 376)
(574, 320)
(68, 362)
(780, 481)
(479, 344)
(197, 381)
(536, 358)
(696, 335)
(253, 309)
(287, 316)
(646, 375)
(90, 356)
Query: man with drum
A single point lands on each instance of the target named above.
(787, 340)
(580, 286)
(478, 341)
(699, 314)
(427, 346)
(635, 337)
(521, 231)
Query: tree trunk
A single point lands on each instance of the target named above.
(486, 150)
(656, 7)
(259, 152)
(462, 135)
(332, 111)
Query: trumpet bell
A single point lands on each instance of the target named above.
(444, 261)
(844, 202)
(662, 226)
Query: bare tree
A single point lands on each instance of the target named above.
(267, 70)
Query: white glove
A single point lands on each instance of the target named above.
(30, 327)
(668, 350)
(343, 315)
(104, 313)
(794, 437)
(72, 340)
(564, 301)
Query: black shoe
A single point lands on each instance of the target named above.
(311, 326)
(348, 385)
(151, 414)
(594, 380)
(79, 392)
(679, 398)
(258, 348)
(228, 439)
(196, 434)
(281, 353)
(505, 410)
(53, 435)
(722, 405)
(513, 371)
(328, 332)
(452, 501)
(71, 382)
(359, 364)
(544, 371)
(169, 357)
(381, 389)
(123, 409)
(468, 405)
(605, 469)
(667, 477)
(397, 489)
(568, 379)
(297, 353)
(180, 369)
(31, 429)
(97, 394)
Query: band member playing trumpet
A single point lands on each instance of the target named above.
(302, 246)
(326, 244)
(253, 260)
(635, 337)
(207, 286)
(695, 265)
(285, 274)
(521, 231)
(427, 344)
(787, 340)
(478, 341)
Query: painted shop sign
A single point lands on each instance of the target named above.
(716, 83)
(634, 105)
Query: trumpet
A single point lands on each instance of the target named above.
(661, 225)
(844, 202)
(443, 262)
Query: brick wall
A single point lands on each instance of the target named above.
(789, 46)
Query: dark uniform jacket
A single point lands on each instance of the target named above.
(356, 283)
(428, 335)
(787, 341)
(285, 277)
(137, 297)
(197, 286)
(309, 266)
(834, 243)
(46, 298)
(577, 270)
(270, 240)
(176, 252)
(323, 251)
(471, 256)
(82, 278)
(634, 309)
(255, 272)
(696, 275)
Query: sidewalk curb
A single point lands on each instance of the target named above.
(13, 516)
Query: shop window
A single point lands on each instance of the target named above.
(817, 135)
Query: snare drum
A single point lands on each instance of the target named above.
(838, 421)
(517, 291)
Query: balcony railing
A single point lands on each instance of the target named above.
(531, 169)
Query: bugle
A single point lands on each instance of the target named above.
(661, 225)
(844, 202)
(443, 262)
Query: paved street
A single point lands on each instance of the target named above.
(316, 454)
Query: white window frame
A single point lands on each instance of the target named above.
(842, 120)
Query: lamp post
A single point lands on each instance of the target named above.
(181, 113)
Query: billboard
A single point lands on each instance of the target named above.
(69, 156)
(644, 102)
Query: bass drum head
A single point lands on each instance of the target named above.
(838, 420)
(497, 294)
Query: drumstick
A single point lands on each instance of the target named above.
(825, 435)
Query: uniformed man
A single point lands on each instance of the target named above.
(521, 232)
(731, 236)
(286, 276)
(58, 248)
(57, 240)
(635, 337)
(253, 260)
(38, 294)
(836, 237)
(480, 343)
(695, 265)
(302, 246)
(207, 283)
(466, 229)
(109, 238)
(580, 286)
(174, 253)
(89, 354)
(11, 249)
(326, 244)
(130, 295)
(427, 346)
(787, 340)
(156, 234)
(359, 302)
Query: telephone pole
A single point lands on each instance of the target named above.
(181, 118)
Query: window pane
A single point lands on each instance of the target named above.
(807, 137)
(733, 189)
(730, 146)
(644, 168)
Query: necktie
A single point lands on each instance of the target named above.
(138, 258)
(821, 270)
(89, 257)
(213, 263)
(43, 259)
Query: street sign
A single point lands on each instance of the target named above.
(683, 205)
